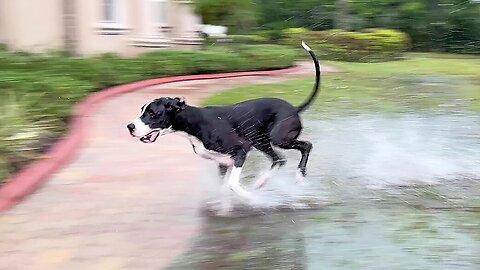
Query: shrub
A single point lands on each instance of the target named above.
(270, 35)
(266, 56)
(248, 39)
(370, 45)
(294, 31)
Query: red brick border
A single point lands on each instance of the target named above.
(33, 176)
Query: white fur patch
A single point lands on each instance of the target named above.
(299, 176)
(166, 131)
(305, 46)
(200, 150)
(234, 183)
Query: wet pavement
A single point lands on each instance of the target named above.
(389, 190)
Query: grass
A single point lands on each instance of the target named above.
(398, 86)
(442, 55)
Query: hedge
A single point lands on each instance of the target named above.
(370, 45)
(248, 39)
(37, 91)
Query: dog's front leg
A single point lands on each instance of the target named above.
(234, 183)
(234, 177)
(223, 170)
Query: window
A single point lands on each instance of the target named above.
(159, 12)
(112, 17)
(110, 11)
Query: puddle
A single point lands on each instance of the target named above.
(384, 191)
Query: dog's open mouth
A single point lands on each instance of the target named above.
(150, 137)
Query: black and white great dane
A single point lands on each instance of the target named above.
(225, 134)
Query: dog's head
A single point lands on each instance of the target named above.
(156, 119)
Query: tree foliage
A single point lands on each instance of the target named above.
(442, 25)
(312, 14)
(446, 25)
(239, 15)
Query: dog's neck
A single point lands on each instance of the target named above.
(188, 120)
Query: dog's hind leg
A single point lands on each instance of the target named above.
(277, 162)
(284, 135)
(304, 147)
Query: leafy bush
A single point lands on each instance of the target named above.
(294, 31)
(370, 45)
(274, 35)
(266, 56)
(37, 91)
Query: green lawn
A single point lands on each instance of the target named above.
(442, 55)
(399, 86)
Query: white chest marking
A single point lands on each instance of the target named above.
(200, 150)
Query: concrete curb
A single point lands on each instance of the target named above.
(34, 175)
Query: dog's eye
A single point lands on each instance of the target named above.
(151, 114)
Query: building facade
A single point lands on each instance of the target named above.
(89, 27)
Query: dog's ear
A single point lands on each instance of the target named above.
(176, 104)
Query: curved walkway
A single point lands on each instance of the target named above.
(120, 204)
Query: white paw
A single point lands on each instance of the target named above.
(261, 181)
(299, 177)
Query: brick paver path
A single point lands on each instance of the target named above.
(120, 204)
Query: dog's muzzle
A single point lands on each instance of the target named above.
(148, 138)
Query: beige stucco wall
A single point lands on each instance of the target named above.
(132, 40)
(31, 25)
(3, 21)
(89, 41)
(38, 25)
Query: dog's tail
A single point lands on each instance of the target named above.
(316, 87)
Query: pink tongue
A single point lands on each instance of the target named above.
(153, 136)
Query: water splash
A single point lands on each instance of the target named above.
(405, 150)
